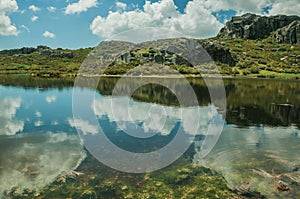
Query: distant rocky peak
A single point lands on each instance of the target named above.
(252, 26)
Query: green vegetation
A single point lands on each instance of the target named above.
(38, 65)
(253, 58)
(261, 58)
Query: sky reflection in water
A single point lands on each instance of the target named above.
(38, 140)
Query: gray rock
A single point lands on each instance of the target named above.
(220, 53)
(251, 26)
(46, 52)
(28, 50)
(289, 34)
(39, 48)
(159, 59)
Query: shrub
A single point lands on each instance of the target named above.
(235, 71)
(246, 72)
(254, 70)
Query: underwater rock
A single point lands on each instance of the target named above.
(88, 194)
(282, 186)
(69, 175)
(242, 188)
(296, 168)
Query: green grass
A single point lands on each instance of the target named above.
(264, 57)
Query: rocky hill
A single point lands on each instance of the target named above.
(251, 26)
(41, 50)
(179, 53)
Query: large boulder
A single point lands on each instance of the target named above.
(289, 34)
(251, 26)
(28, 50)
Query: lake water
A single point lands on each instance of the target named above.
(259, 144)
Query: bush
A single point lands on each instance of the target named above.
(254, 70)
(282, 49)
(235, 71)
(246, 72)
(262, 62)
(246, 64)
(261, 76)
(262, 67)
(152, 51)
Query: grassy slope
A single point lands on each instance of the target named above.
(256, 58)
(42, 65)
(263, 58)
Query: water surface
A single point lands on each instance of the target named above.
(260, 142)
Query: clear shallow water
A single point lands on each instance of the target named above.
(260, 155)
(259, 143)
(36, 142)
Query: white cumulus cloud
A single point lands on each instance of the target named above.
(84, 126)
(290, 7)
(6, 26)
(51, 9)
(255, 6)
(152, 117)
(25, 28)
(274, 7)
(38, 123)
(48, 34)
(38, 114)
(50, 99)
(34, 18)
(121, 5)
(80, 6)
(9, 125)
(34, 8)
(196, 21)
(23, 158)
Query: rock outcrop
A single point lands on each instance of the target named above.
(151, 55)
(165, 51)
(251, 26)
(42, 50)
(219, 53)
(289, 34)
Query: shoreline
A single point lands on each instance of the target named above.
(215, 76)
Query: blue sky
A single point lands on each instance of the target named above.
(84, 23)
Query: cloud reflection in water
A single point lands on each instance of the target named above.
(34, 160)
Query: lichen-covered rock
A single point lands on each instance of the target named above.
(289, 34)
(219, 53)
(251, 26)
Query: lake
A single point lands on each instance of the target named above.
(42, 154)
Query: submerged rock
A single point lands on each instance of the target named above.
(88, 194)
(282, 186)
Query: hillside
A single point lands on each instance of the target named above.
(42, 61)
(249, 45)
